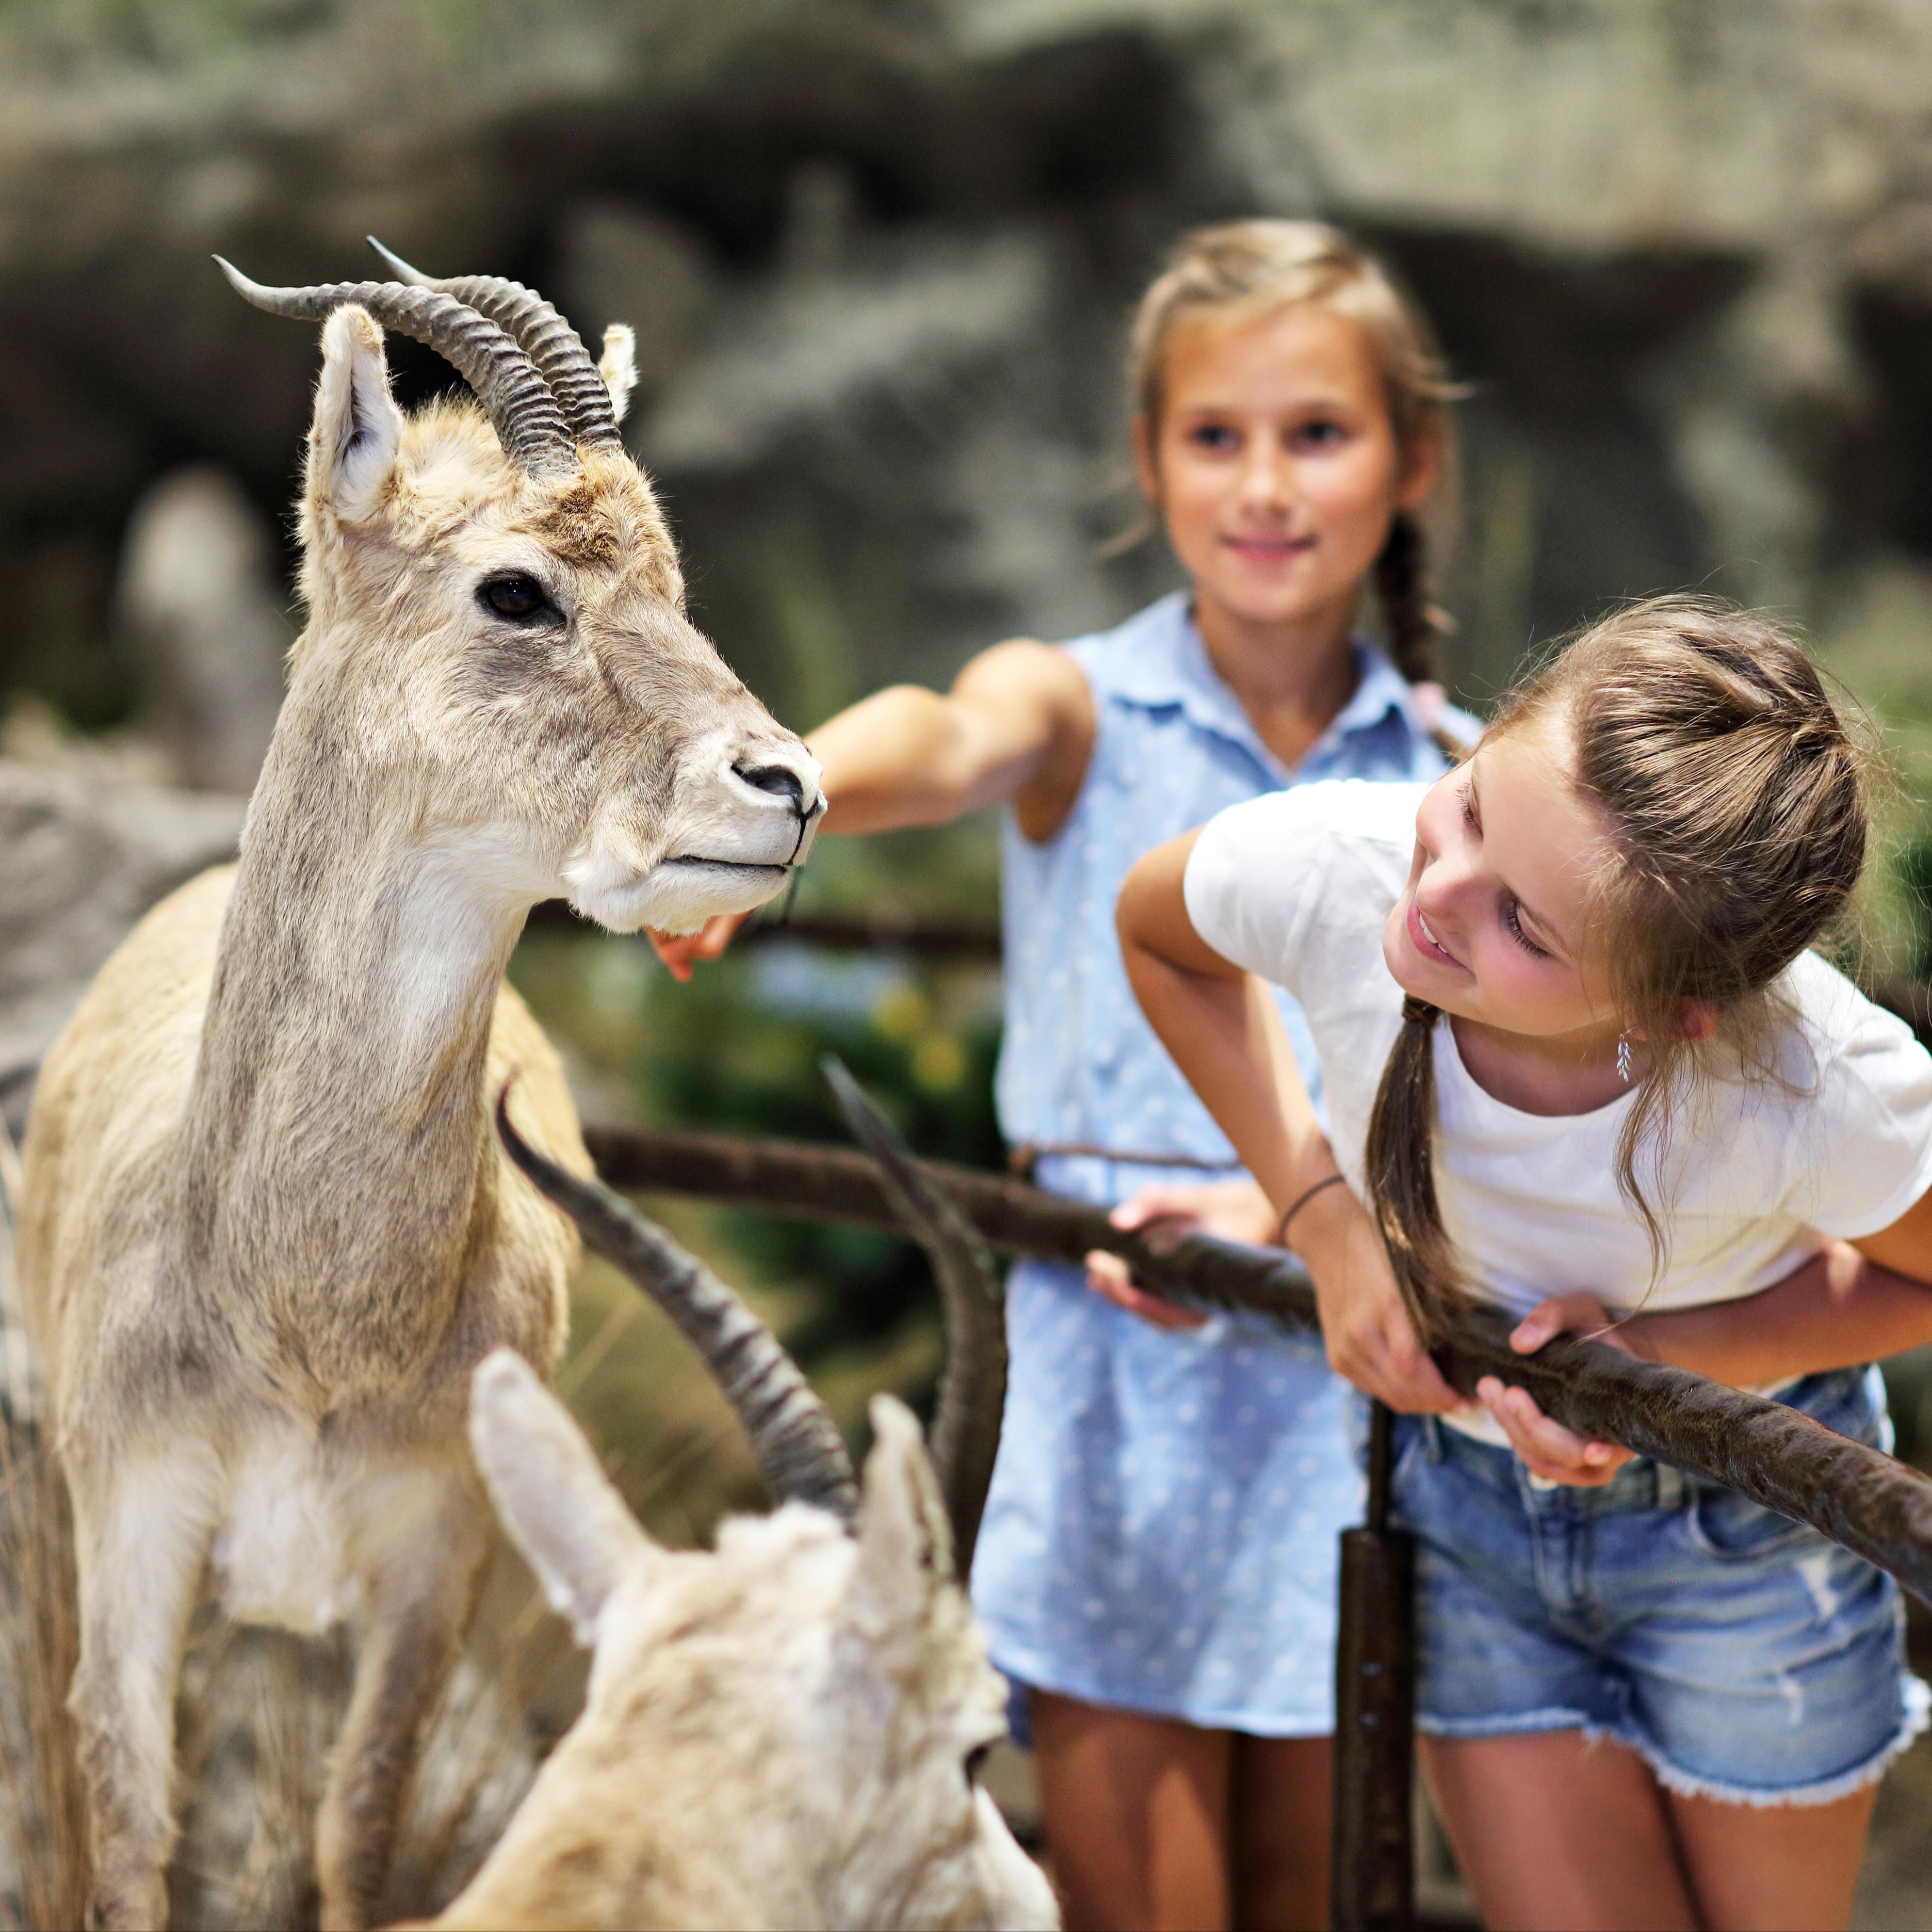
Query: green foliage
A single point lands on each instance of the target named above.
(738, 1050)
(1914, 864)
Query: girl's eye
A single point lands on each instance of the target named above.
(1217, 438)
(1468, 810)
(1516, 932)
(1322, 434)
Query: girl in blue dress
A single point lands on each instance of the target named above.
(1157, 1561)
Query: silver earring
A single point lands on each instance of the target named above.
(1623, 1057)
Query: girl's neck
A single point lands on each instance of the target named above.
(1563, 1074)
(1292, 677)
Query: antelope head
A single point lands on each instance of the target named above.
(497, 645)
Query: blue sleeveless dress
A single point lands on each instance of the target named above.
(1161, 1532)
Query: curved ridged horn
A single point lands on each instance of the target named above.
(507, 383)
(973, 1385)
(550, 341)
(798, 1448)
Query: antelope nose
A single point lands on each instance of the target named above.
(779, 780)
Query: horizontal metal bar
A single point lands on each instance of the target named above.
(1875, 1505)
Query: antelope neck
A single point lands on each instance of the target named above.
(338, 1111)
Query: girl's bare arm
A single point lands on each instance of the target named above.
(1856, 1301)
(1225, 1034)
(1843, 1307)
(1018, 723)
(1222, 1028)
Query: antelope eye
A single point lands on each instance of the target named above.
(515, 596)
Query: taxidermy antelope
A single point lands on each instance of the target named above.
(268, 1235)
(782, 1733)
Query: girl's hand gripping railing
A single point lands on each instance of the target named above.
(1873, 1504)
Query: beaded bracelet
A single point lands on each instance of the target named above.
(1300, 1202)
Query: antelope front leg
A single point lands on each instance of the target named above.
(141, 1543)
(422, 1598)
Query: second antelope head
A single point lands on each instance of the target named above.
(785, 1731)
(497, 637)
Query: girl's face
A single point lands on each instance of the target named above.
(1493, 925)
(1274, 465)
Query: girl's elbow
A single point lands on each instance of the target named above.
(1152, 899)
(1151, 917)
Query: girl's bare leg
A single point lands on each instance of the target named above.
(1555, 1835)
(1283, 1792)
(1136, 1815)
(1784, 1868)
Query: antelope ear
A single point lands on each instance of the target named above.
(353, 438)
(618, 367)
(556, 1503)
(905, 1542)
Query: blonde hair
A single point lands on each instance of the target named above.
(1242, 271)
(1734, 797)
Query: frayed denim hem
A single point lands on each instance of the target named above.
(1686, 1784)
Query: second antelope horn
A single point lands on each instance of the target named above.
(507, 383)
(799, 1450)
(552, 344)
(973, 1385)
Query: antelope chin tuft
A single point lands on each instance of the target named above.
(675, 896)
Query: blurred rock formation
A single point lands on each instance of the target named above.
(879, 252)
(81, 857)
(200, 603)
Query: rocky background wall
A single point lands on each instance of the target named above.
(879, 254)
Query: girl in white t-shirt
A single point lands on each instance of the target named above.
(1578, 1062)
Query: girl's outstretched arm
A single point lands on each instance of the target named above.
(1018, 723)
(1221, 1027)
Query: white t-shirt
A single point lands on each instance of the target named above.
(1296, 886)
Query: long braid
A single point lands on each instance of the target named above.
(1402, 583)
(1402, 1173)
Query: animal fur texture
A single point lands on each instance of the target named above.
(780, 1734)
(267, 1233)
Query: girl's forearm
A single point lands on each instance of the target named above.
(893, 759)
(1019, 716)
(1216, 1033)
(1223, 1030)
(1838, 1310)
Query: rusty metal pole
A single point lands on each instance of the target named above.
(1372, 1868)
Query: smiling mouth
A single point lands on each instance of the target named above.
(1270, 547)
(1424, 941)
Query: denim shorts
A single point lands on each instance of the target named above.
(1744, 1656)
